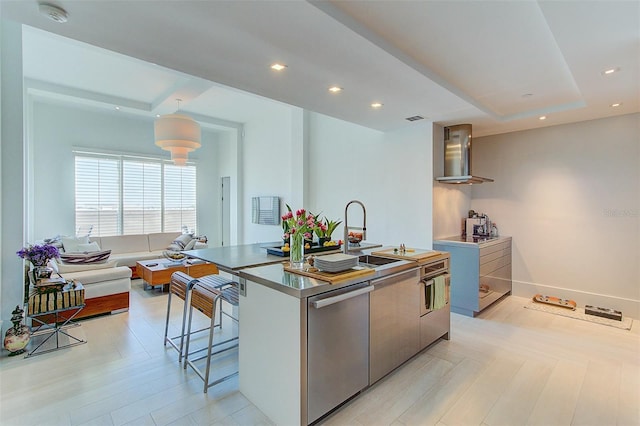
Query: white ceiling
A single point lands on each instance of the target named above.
(448, 61)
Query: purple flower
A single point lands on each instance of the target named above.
(39, 255)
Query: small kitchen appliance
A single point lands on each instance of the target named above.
(479, 226)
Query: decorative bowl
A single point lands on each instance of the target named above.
(174, 255)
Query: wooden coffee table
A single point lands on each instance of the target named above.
(157, 272)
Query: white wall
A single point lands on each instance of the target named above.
(267, 151)
(569, 196)
(390, 173)
(57, 128)
(12, 166)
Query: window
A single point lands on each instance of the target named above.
(127, 195)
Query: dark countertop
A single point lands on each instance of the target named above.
(233, 258)
(458, 240)
(252, 262)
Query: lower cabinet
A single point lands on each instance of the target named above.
(394, 327)
(435, 325)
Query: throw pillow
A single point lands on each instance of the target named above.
(174, 247)
(71, 243)
(190, 244)
(84, 258)
(181, 241)
(92, 246)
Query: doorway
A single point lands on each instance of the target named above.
(226, 210)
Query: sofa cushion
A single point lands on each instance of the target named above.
(160, 240)
(130, 259)
(92, 246)
(71, 243)
(83, 258)
(181, 241)
(106, 288)
(99, 275)
(125, 243)
(63, 268)
(190, 244)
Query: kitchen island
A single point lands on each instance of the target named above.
(304, 345)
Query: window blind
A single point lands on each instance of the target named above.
(97, 195)
(179, 197)
(126, 195)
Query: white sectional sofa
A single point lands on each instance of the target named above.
(128, 249)
(107, 284)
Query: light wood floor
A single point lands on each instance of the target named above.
(510, 366)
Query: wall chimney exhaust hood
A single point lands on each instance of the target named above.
(457, 156)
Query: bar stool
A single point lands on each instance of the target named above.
(204, 298)
(181, 285)
(229, 291)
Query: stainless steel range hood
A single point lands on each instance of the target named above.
(457, 156)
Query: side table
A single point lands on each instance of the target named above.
(52, 313)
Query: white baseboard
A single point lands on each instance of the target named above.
(628, 307)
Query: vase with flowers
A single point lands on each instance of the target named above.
(39, 256)
(297, 227)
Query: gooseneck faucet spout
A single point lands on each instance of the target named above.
(346, 224)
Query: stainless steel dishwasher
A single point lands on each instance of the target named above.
(394, 322)
(338, 348)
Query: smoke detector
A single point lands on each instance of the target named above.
(53, 12)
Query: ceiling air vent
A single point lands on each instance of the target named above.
(414, 118)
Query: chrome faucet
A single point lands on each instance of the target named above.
(346, 224)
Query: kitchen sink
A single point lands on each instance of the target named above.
(373, 261)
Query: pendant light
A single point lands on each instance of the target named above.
(178, 134)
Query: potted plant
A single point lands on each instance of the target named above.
(325, 229)
(39, 256)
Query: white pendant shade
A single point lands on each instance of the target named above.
(178, 134)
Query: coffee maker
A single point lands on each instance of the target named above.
(477, 225)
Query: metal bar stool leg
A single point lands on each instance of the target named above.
(205, 298)
(180, 285)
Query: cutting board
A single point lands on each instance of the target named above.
(332, 277)
(409, 254)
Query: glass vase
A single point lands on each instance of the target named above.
(296, 251)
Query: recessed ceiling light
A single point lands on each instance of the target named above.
(335, 89)
(542, 117)
(616, 105)
(117, 108)
(157, 115)
(53, 12)
(611, 71)
(278, 67)
(376, 105)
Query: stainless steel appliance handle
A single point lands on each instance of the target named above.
(344, 296)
